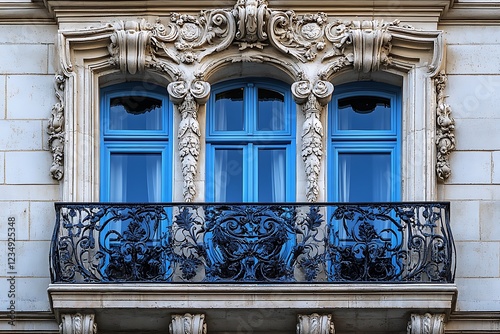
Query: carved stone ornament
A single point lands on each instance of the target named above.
(426, 324)
(77, 324)
(315, 324)
(188, 324)
(252, 17)
(313, 98)
(445, 129)
(55, 130)
(188, 99)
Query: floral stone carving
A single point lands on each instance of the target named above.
(188, 98)
(56, 132)
(445, 129)
(188, 324)
(313, 98)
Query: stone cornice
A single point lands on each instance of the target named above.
(409, 10)
(473, 13)
(24, 13)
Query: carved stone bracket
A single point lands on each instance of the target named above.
(315, 324)
(77, 324)
(188, 98)
(188, 324)
(445, 129)
(55, 129)
(128, 45)
(426, 324)
(313, 98)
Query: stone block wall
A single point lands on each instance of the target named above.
(27, 191)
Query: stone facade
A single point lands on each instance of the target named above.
(444, 54)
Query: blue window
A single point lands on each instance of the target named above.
(365, 143)
(250, 142)
(135, 154)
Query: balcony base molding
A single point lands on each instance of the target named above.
(253, 307)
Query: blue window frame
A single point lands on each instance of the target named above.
(135, 150)
(365, 143)
(250, 142)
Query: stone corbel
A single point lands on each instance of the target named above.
(313, 98)
(188, 98)
(129, 44)
(77, 324)
(315, 324)
(426, 324)
(55, 130)
(445, 128)
(188, 324)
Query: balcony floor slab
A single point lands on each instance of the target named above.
(252, 308)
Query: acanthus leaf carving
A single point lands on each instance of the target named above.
(56, 130)
(315, 324)
(445, 129)
(188, 98)
(188, 324)
(426, 324)
(313, 98)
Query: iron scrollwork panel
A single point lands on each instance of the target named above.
(250, 242)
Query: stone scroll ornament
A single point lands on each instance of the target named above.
(445, 128)
(188, 324)
(188, 98)
(315, 324)
(77, 324)
(313, 98)
(55, 130)
(426, 324)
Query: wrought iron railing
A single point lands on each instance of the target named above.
(247, 242)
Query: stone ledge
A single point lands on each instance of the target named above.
(274, 306)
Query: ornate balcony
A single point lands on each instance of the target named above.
(151, 260)
(267, 243)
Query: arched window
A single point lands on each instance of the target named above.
(250, 142)
(135, 146)
(365, 143)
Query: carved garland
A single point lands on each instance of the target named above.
(188, 98)
(313, 99)
(445, 128)
(55, 129)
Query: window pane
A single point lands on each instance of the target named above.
(271, 111)
(272, 175)
(135, 113)
(364, 113)
(228, 176)
(135, 177)
(365, 177)
(229, 111)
